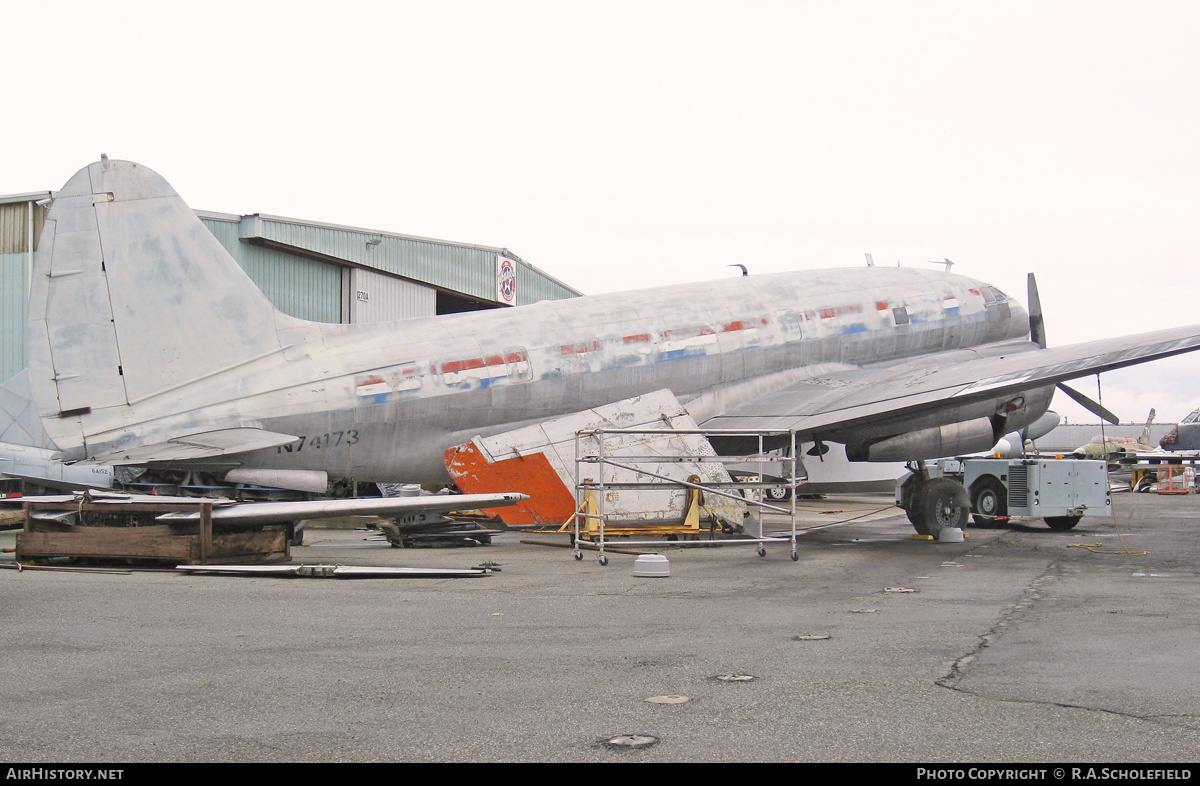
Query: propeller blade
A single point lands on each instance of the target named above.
(1037, 327)
(1088, 404)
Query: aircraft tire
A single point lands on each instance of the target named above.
(1062, 523)
(942, 504)
(914, 518)
(913, 511)
(911, 492)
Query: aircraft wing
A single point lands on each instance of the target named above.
(279, 512)
(227, 511)
(879, 393)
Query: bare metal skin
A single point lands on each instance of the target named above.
(148, 343)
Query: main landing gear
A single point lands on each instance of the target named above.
(933, 503)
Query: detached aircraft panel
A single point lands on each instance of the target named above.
(280, 512)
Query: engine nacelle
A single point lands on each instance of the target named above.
(969, 436)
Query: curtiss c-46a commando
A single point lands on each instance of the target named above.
(148, 344)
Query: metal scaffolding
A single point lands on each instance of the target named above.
(599, 450)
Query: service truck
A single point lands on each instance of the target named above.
(1060, 491)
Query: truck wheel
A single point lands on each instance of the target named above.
(779, 493)
(1062, 523)
(989, 499)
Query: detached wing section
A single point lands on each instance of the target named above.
(254, 513)
(875, 401)
(236, 514)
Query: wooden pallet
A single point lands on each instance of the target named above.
(191, 543)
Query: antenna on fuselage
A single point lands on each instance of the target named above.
(945, 262)
(870, 261)
(745, 272)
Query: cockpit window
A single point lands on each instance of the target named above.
(1192, 418)
(996, 303)
(993, 295)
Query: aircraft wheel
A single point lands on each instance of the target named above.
(943, 504)
(911, 492)
(1062, 523)
(989, 498)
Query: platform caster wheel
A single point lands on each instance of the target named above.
(578, 555)
(795, 556)
(603, 560)
(762, 552)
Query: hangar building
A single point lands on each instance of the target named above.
(320, 272)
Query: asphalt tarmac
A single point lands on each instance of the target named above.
(1019, 644)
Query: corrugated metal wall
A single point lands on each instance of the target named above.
(13, 220)
(534, 286)
(465, 269)
(15, 215)
(308, 270)
(272, 250)
(13, 294)
(298, 286)
(462, 269)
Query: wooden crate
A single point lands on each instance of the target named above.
(192, 543)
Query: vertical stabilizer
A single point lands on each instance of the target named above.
(132, 296)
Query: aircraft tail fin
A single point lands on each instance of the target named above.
(1145, 439)
(132, 297)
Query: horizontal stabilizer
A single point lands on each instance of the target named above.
(205, 445)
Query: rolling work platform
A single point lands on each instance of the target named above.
(671, 485)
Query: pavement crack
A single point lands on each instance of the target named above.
(1034, 592)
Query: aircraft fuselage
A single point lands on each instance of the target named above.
(384, 401)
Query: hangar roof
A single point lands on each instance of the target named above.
(455, 267)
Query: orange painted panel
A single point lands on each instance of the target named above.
(550, 502)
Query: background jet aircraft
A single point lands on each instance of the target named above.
(147, 343)
(1111, 448)
(1185, 436)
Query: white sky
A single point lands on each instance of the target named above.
(619, 144)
